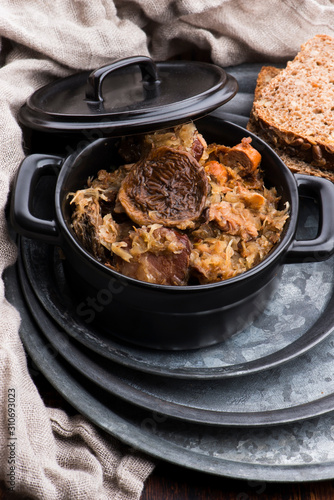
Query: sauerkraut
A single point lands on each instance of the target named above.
(179, 211)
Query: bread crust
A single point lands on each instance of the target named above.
(293, 107)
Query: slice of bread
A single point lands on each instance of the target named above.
(266, 74)
(293, 107)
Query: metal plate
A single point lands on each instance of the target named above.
(299, 390)
(303, 451)
(292, 323)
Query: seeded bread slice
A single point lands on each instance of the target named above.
(293, 108)
(266, 74)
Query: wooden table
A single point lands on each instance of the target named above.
(169, 482)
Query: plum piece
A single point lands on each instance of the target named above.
(167, 187)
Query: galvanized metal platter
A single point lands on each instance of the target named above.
(301, 389)
(302, 451)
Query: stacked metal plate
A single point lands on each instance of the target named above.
(259, 405)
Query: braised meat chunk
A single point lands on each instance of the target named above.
(155, 254)
(233, 220)
(182, 137)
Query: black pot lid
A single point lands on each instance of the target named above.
(129, 95)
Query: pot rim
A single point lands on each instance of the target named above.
(275, 254)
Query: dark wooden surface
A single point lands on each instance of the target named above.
(169, 482)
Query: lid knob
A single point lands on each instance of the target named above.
(96, 77)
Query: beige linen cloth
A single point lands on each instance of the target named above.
(58, 456)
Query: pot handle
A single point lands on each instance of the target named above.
(321, 247)
(32, 168)
(94, 83)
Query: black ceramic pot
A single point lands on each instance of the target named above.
(158, 316)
